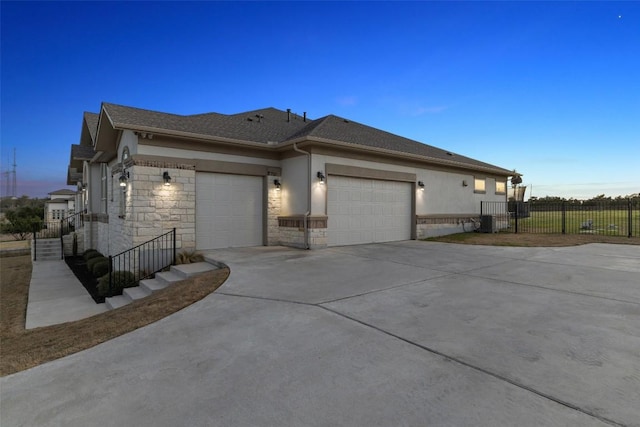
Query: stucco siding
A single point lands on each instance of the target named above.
(202, 155)
(294, 185)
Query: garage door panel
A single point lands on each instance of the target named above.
(366, 210)
(228, 210)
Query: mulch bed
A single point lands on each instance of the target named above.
(79, 267)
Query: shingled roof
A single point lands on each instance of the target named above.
(92, 123)
(343, 130)
(262, 126)
(79, 153)
(273, 126)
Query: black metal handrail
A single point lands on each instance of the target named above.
(142, 261)
(46, 230)
(72, 223)
(56, 229)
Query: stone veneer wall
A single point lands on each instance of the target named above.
(440, 225)
(292, 231)
(67, 242)
(274, 204)
(154, 209)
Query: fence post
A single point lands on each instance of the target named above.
(174, 242)
(564, 217)
(61, 239)
(630, 218)
(517, 215)
(110, 292)
(480, 207)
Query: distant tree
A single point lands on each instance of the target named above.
(20, 222)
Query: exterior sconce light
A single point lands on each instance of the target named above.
(123, 179)
(464, 183)
(421, 185)
(277, 183)
(321, 177)
(167, 178)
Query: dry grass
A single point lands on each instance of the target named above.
(525, 239)
(21, 349)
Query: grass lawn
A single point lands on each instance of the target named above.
(21, 349)
(609, 222)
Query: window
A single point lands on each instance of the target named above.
(103, 188)
(479, 185)
(501, 187)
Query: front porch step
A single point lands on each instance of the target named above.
(136, 292)
(169, 277)
(176, 273)
(47, 250)
(153, 285)
(187, 270)
(116, 302)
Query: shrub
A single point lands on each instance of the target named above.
(121, 280)
(100, 267)
(92, 261)
(187, 257)
(90, 253)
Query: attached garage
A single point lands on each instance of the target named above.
(364, 210)
(229, 210)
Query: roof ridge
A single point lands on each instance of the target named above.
(143, 109)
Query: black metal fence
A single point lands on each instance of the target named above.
(613, 218)
(56, 229)
(141, 262)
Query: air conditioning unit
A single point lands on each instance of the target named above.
(488, 224)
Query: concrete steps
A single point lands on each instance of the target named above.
(160, 281)
(47, 249)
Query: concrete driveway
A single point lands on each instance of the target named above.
(399, 334)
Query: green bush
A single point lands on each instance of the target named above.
(100, 267)
(121, 280)
(92, 261)
(91, 254)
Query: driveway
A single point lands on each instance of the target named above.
(398, 334)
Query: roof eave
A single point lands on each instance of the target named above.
(399, 154)
(190, 135)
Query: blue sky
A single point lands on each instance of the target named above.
(551, 89)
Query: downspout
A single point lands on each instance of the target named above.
(306, 215)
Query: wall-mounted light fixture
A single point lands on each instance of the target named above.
(464, 183)
(421, 185)
(124, 177)
(277, 183)
(166, 178)
(321, 177)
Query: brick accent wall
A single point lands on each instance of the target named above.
(439, 225)
(292, 231)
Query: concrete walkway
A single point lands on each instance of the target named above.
(57, 296)
(398, 334)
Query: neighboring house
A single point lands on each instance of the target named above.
(60, 205)
(267, 177)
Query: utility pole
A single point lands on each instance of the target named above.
(13, 181)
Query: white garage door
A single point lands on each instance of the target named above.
(367, 210)
(228, 210)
